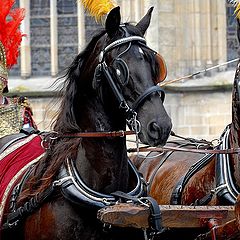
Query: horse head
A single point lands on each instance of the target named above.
(125, 74)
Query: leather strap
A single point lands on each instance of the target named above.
(155, 218)
(167, 149)
(97, 134)
(148, 92)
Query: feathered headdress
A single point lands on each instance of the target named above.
(10, 36)
(98, 8)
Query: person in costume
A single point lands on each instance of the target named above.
(15, 113)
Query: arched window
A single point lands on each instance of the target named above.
(232, 42)
(67, 32)
(53, 22)
(40, 37)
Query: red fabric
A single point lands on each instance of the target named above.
(28, 119)
(10, 34)
(13, 162)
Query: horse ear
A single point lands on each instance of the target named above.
(145, 21)
(113, 21)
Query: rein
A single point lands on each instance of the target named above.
(190, 76)
(167, 149)
(48, 139)
(97, 134)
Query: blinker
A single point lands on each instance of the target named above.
(121, 71)
(163, 69)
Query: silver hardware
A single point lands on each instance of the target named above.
(43, 146)
(59, 182)
(124, 106)
(118, 72)
(145, 234)
(101, 56)
(122, 132)
(219, 188)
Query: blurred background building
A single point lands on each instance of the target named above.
(191, 35)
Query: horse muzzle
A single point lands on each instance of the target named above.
(156, 134)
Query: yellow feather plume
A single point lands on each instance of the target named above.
(98, 8)
(237, 10)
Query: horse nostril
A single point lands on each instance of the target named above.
(154, 130)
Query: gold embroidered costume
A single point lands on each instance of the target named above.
(12, 111)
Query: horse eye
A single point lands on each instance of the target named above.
(118, 72)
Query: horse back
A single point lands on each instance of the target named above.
(165, 171)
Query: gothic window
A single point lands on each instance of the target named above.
(67, 32)
(40, 37)
(90, 27)
(232, 42)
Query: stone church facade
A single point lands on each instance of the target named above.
(190, 34)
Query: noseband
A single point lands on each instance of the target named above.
(102, 69)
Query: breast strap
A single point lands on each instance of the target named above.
(75, 190)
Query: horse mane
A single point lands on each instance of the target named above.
(65, 122)
(46, 169)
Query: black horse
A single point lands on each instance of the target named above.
(112, 81)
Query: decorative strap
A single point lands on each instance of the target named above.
(118, 43)
(34, 203)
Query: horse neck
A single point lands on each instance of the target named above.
(102, 162)
(235, 125)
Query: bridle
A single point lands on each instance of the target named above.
(102, 70)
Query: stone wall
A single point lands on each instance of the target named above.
(201, 107)
(189, 34)
(199, 114)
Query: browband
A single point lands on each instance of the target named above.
(118, 43)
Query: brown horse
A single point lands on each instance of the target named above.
(113, 80)
(195, 178)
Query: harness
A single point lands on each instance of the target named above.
(178, 190)
(226, 189)
(73, 188)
